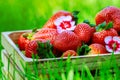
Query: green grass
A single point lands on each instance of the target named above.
(28, 14)
(108, 70)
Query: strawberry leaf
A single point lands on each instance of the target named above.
(83, 50)
(45, 50)
(34, 30)
(109, 25)
(104, 26)
(75, 16)
(88, 22)
(101, 26)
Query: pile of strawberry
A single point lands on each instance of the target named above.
(63, 36)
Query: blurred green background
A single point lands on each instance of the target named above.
(29, 14)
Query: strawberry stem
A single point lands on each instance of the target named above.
(45, 50)
(114, 46)
(104, 26)
(75, 16)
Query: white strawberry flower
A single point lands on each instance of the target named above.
(112, 44)
(64, 23)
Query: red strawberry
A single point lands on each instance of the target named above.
(66, 40)
(46, 33)
(39, 47)
(69, 53)
(23, 40)
(97, 49)
(103, 30)
(109, 14)
(31, 48)
(84, 32)
(50, 22)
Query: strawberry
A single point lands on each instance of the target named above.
(50, 22)
(66, 40)
(103, 30)
(84, 32)
(46, 33)
(69, 53)
(31, 48)
(39, 47)
(62, 21)
(109, 14)
(97, 49)
(23, 40)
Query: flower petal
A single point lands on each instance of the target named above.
(116, 52)
(59, 20)
(118, 49)
(59, 29)
(115, 38)
(71, 29)
(67, 18)
(72, 23)
(108, 48)
(108, 39)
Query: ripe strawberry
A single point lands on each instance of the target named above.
(66, 40)
(62, 20)
(50, 22)
(69, 53)
(46, 33)
(84, 32)
(97, 49)
(39, 47)
(103, 30)
(31, 48)
(23, 40)
(109, 14)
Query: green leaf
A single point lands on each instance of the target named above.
(92, 25)
(75, 16)
(45, 50)
(109, 25)
(34, 30)
(104, 26)
(101, 26)
(86, 21)
(83, 50)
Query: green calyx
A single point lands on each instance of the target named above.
(34, 30)
(29, 35)
(83, 50)
(45, 50)
(75, 16)
(104, 26)
(88, 22)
